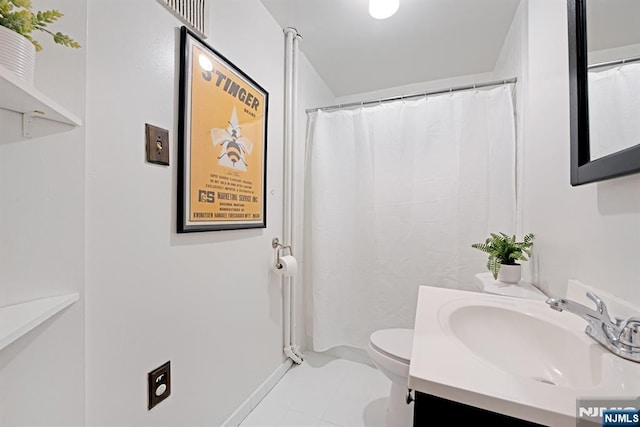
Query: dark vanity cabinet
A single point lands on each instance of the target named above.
(429, 410)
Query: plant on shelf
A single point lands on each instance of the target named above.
(18, 16)
(505, 250)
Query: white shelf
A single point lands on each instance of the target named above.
(16, 95)
(18, 319)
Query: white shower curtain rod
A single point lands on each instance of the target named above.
(416, 95)
(616, 62)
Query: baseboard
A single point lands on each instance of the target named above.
(256, 397)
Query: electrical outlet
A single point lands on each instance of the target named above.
(159, 381)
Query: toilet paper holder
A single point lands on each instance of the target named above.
(275, 244)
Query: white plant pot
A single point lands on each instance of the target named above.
(510, 273)
(17, 54)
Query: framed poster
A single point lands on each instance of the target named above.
(222, 136)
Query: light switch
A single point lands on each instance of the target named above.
(157, 144)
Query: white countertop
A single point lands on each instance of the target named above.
(444, 366)
(487, 284)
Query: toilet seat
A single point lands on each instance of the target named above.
(393, 343)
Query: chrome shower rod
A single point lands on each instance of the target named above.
(616, 62)
(415, 95)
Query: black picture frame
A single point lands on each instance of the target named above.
(583, 169)
(222, 142)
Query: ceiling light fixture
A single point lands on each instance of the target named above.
(382, 9)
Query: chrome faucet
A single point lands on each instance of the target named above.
(621, 337)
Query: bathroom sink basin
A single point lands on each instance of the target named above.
(513, 356)
(527, 344)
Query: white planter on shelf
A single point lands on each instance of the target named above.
(17, 54)
(510, 273)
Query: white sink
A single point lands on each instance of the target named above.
(514, 356)
(527, 344)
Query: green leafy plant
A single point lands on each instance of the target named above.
(17, 16)
(504, 249)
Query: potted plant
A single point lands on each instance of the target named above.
(504, 252)
(17, 46)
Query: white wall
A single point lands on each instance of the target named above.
(510, 64)
(510, 61)
(415, 88)
(206, 301)
(614, 54)
(592, 232)
(42, 239)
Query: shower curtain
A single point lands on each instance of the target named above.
(395, 195)
(614, 108)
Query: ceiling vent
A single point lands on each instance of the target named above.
(191, 12)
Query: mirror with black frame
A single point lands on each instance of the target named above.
(604, 73)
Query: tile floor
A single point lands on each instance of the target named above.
(324, 391)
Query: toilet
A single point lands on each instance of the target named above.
(390, 349)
